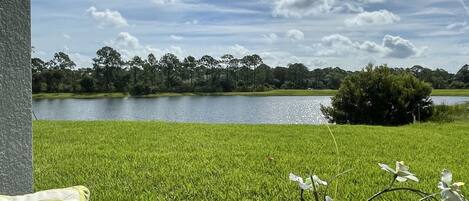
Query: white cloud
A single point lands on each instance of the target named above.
(371, 1)
(295, 35)
(126, 40)
(192, 22)
(270, 38)
(391, 46)
(164, 2)
(177, 38)
(238, 51)
(107, 17)
(82, 61)
(464, 5)
(459, 27)
(66, 36)
(380, 17)
(130, 46)
(401, 48)
(303, 8)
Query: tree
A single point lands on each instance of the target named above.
(280, 76)
(108, 69)
(251, 62)
(136, 65)
(377, 96)
(438, 78)
(190, 64)
(61, 61)
(264, 75)
(88, 84)
(210, 63)
(169, 63)
(151, 70)
(298, 74)
(39, 82)
(463, 74)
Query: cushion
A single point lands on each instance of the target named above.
(77, 193)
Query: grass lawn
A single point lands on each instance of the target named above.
(175, 161)
(450, 92)
(280, 92)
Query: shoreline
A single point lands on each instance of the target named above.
(327, 92)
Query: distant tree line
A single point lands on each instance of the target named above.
(140, 76)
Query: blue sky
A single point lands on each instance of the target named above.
(319, 33)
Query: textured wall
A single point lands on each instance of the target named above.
(16, 173)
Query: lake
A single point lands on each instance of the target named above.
(209, 109)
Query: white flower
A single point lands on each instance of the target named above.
(401, 172)
(307, 184)
(300, 182)
(450, 191)
(329, 198)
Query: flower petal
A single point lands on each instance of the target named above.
(401, 167)
(457, 186)
(446, 177)
(318, 181)
(401, 179)
(304, 186)
(295, 178)
(329, 198)
(449, 195)
(386, 168)
(443, 186)
(413, 178)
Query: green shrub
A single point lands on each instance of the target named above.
(378, 96)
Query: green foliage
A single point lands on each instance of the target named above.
(463, 74)
(88, 84)
(378, 96)
(172, 161)
(450, 113)
(207, 74)
(140, 90)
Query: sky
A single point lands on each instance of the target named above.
(319, 33)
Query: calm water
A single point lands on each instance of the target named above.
(213, 109)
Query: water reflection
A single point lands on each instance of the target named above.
(210, 109)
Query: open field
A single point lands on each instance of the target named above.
(174, 161)
(290, 92)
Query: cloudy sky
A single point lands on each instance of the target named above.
(319, 33)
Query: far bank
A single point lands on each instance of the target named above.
(436, 92)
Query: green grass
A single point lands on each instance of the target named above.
(450, 113)
(78, 95)
(175, 161)
(279, 92)
(450, 92)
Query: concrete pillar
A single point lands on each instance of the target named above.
(16, 167)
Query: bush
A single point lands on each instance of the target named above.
(378, 96)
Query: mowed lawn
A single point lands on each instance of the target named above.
(174, 161)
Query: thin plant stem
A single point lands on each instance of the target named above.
(333, 179)
(338, 158)
(432, 196)
(301, 195)
(392, 182)
(315, 192)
